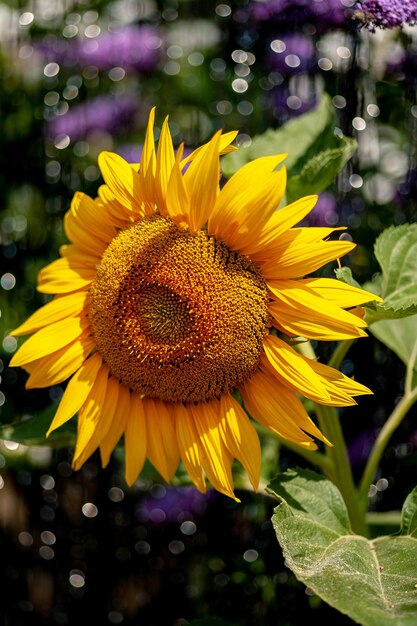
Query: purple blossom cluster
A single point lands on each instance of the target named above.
(329, 14)
(105, 113)
(292, 53)
(325, 213)
(130, 47)
(386, 13)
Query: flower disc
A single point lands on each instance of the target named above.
(177, 315)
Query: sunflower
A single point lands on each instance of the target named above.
(174, 309)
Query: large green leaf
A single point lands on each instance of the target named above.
(396, 253)
(371, 581)
(409, 515)
(321, 170)
(302, 138)
(401, 337)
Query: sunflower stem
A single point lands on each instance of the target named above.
(340, 353)
(338, 469)
(410, 371)
(392, 423)
(341, 472)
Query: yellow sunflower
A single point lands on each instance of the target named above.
(172, 296)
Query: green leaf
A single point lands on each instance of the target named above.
(371, 581)
(345, 275)
(409, 515)
(400, 336)
(32, 431)
(396, 253)
(320, 171)
(296, 137)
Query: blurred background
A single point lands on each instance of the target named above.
(79, 77)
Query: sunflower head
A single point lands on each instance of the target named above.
(169, 333)
(174, 298)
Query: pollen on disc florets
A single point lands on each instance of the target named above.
(177, 315)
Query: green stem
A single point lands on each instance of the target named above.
(338, 469)
(381, 442)
(340, 353)
(408, 385)
(341, 472)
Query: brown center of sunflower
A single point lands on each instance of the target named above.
(177, 315)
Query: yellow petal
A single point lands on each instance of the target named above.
(225, 141)
(76, 391)
(120, 214)
(50, 339)
(124, 182)
(240, 437)
(281, 221)
(339, 293)
(84, 239)
(294, 238)
(65, 275)
(300, 251)
(57, 309)
(292, 370)
(164, 163)
(162, 444)
(188, 444)
(216, 459)
(60, 365)
(87, 224)
(202, 182)
(147, 169)
(76, 257)
(118, 425)
(341, 388)
(224, 147)
(148, 158)
(177, 199)
(247, 201)
(299, 311)
(135, 439)
(95, 216)
(148, 150)
(95, 416)
(279, 409)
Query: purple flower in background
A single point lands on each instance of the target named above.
(105, 113)
(175, 504)
(135, 47)
(132, 152)
(57, 50)
(325, 212)
(291, 54)
(324, 15)
(386, 13)
(129, 152)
